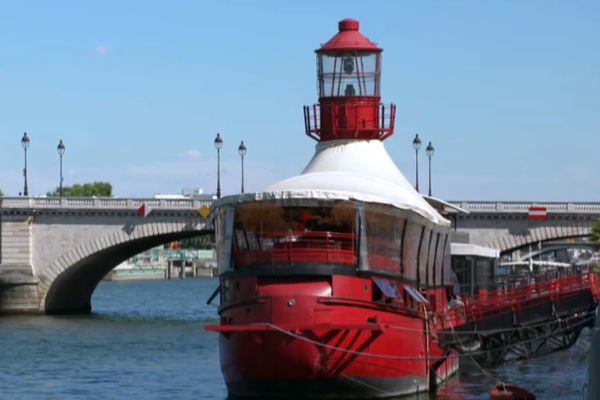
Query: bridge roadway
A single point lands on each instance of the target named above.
(507, 227)
(53, 252)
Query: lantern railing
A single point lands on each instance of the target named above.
(347, 121)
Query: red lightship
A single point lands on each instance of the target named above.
(334, 283)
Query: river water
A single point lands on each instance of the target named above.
(145, 340)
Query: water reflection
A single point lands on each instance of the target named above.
(146, 340)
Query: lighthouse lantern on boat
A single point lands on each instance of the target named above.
(349, 77)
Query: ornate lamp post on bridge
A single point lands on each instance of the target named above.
(25, 144)
(417, 145)
(429, 151)
(61, 150)
(218, 145)
(242, 151)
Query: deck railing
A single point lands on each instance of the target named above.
(506, 297)
(295, 247)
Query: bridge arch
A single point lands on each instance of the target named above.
(508, 232)
(558, 247)
(511, 242)
(70, 280)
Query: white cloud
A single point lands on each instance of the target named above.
(192, 154)
(102, 50)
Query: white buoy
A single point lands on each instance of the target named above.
(594, 368)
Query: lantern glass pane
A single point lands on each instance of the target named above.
(348, 74)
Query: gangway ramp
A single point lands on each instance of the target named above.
(538, 318)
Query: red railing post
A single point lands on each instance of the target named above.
(383, 118)
(288, 240)
(316, 130)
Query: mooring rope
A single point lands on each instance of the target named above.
(340, 349)
(390, 357)
(477, 331)
(485, 372)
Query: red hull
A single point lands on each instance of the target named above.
(313, 345)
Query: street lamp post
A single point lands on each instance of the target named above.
(25, 144)
(218, 145)
(242, 151)
(61, 150)
(417, 145)
(429, 151)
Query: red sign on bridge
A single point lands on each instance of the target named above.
(537, 213)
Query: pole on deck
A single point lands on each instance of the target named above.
(594, 367)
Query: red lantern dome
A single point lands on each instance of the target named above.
(349, 74)
(348, 39)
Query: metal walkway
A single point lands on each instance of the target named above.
(526, 321)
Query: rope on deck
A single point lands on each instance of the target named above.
(391, 357)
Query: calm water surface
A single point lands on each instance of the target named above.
(145, 340)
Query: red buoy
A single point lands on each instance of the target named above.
(509, 392)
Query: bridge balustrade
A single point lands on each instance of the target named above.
(99, 202)
(523, 206)
(593, 207)
(108, 202)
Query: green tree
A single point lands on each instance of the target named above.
(198, 242)
(596, 231)
(1, 194)
(98, 189)
(596, 239)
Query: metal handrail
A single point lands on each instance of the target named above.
(387, 118)
(488, 302)
(330, 247)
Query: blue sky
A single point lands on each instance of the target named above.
(507, 91)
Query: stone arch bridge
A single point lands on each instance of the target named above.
(53, 252)
(506, 225)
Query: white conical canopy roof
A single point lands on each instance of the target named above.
(354, 169)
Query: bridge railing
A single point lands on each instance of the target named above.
(523, 206)
(100, 202)
(116, 202)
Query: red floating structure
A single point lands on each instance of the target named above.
(336, 283)
(330, 280)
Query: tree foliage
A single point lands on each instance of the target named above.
(596, 231)
(198, 242)
(1, 194)
(97, 189)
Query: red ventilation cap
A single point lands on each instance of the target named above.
(348, 40)
(348, 24)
